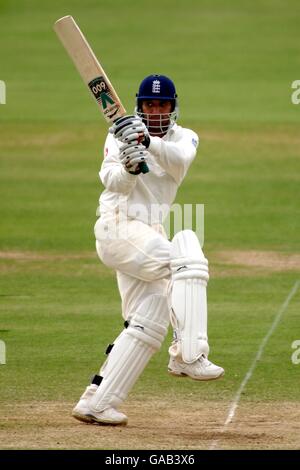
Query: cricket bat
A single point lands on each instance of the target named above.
(91, 71)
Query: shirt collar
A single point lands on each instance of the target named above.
(171, 131)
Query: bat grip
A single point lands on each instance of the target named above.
(144, 167)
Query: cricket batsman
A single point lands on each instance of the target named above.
(159, 280)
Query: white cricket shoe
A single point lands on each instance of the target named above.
(108, 416)
(82, 412)
(202, 369)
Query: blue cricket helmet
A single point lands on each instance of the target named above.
(157, 87)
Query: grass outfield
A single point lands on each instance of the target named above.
(233, 63)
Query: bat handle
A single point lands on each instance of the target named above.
(144, 167)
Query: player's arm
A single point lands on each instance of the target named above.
(113, 174)
(175, 157)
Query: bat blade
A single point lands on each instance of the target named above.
(91, 71)
(89, 68)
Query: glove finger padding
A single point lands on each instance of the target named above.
(124, 123)
(121, 121)
(138, 156)
(134, 129)
(131, 129)
(134, 160)
(129, 148)
(136, 135)
(134, 126)
(132, 155)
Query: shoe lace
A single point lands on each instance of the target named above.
(203, 359)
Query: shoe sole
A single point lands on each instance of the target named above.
(89, 419)
(206, 379)
(83, 418)
(106, 423)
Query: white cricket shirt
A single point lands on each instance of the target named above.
(147, 197)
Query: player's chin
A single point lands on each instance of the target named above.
(158, 131)
(158, 122)
(153, 130)
(158, 127)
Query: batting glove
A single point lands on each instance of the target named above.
(131, 129)
(132, 157)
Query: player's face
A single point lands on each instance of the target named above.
(158, 115)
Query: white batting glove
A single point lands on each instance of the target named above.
(132, 156)
(131, 129)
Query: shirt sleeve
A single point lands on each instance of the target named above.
(112, 174)
(175, 157)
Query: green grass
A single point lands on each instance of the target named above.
(58, 318)
(233, 63)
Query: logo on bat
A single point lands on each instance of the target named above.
(101, 92)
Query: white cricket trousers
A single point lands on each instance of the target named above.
(139, 253)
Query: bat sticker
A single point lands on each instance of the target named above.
(101, 92)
